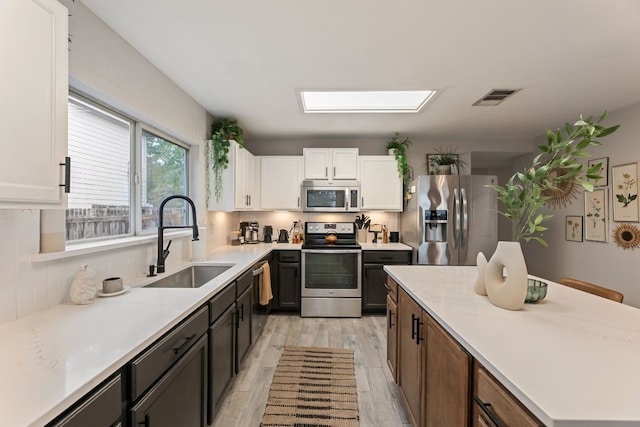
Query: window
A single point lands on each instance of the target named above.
(164, 172)
(103, 202)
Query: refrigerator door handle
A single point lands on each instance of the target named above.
(465, 216)
(456, 217)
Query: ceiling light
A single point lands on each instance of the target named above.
(388, 101)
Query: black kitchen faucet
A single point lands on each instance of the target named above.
(164, 253)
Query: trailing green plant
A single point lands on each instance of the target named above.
(524, 193)
(217, 150)
(399, 147)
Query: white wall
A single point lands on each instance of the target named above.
(602, 263)
(107, 68)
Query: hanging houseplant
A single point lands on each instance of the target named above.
(399, 149)
(223, 131)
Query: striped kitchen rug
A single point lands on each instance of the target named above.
(313, 386)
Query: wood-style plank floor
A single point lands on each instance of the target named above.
(378, 399)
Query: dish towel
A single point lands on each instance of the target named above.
(265, 285)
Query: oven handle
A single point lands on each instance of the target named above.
(331, 251)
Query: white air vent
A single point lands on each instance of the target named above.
(495, 97)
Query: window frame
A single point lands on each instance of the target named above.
(137, 126)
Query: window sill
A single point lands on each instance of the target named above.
(104, 246)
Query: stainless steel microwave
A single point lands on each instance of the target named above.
(330, 196)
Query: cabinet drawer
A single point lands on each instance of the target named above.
(386, 257)
(289, 256)
(219, 303)
(495, 406)
(150, 365)
(243, 282)
(392, 289)
(103, 405)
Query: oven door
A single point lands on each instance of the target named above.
(331, 273)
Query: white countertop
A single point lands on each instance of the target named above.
(385, 247)
(573, 359)
(51, 359)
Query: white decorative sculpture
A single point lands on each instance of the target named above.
(479, 287)
(83, 288)
(507, 292)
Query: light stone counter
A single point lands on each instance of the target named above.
(573, 359)
(385, 247)
(51, 359)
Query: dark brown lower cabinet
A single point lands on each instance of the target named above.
(411, 347)
(447, 386)
(221, 356)
(102, 407)
(179, 397)
(392, 336)
(243, 326)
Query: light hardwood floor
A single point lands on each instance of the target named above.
(378, 399)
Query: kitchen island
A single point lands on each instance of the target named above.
(571, 359)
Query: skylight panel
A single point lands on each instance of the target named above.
(407, 101)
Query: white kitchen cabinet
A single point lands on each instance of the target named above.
(380, 184)
(238, 182)
(330, 163)
(33, 106)
(280, 182)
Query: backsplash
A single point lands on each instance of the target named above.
(28, 287)
(220, 224)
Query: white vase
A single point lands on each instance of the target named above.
(479, 287)
(444, 169)
(507, 292)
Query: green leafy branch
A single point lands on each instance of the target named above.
(524, 193)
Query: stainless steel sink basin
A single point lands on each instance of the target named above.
(191, 277)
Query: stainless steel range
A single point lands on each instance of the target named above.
(331, 270)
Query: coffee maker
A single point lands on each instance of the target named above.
(267, 232)
(250, 231)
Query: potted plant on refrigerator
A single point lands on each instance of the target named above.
(217, 150)
(444, 159)
(526, 192)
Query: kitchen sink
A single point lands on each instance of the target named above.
(191, 277)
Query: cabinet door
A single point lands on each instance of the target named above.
(380, 184)
(179, 397)
(374, 292)
(447, 391)
(289, 285)
(392, 337)
(221, 359)
(280, 182)
(410, 355)
(344, 162)
(33, 105)
(243, 326)
(317, 162)
(243, 181)
(103, 407)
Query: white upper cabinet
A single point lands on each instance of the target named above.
(330, 163)
(380, 184)
(33, 105)
(238, 182)
(280, 182)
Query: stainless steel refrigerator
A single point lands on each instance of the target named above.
(451, 218)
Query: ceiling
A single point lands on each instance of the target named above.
(247, 60)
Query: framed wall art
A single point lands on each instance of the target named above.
(625, 192)
(573, 228)
(603, 172)
(596, 215)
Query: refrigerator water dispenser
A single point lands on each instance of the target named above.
(435, 226)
